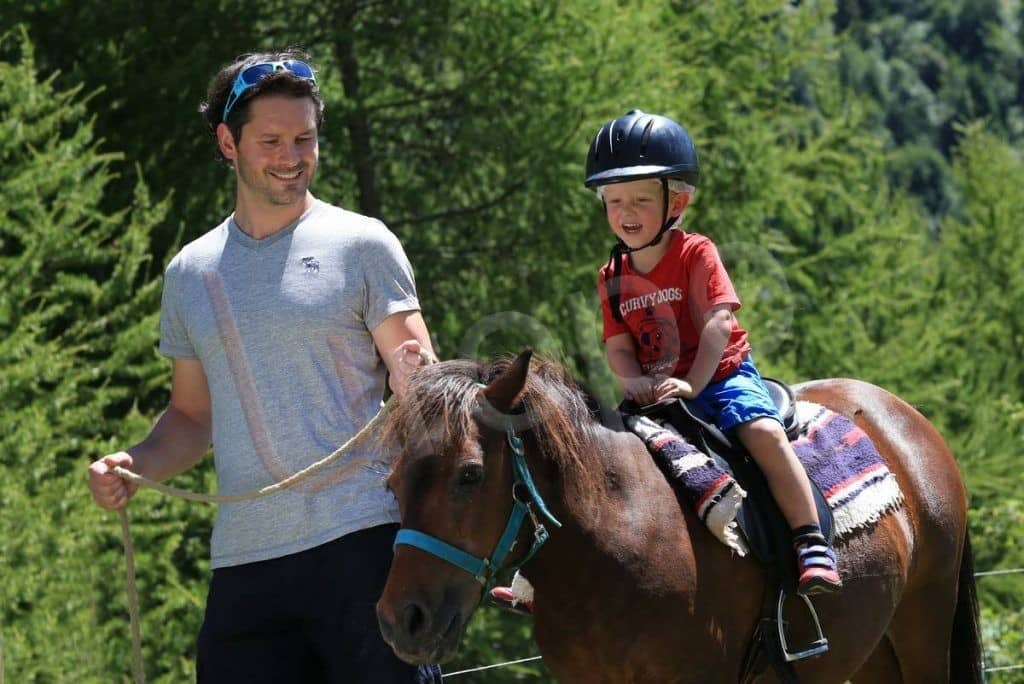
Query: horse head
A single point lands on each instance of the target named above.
(463, 431)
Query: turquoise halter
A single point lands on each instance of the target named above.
(485, 570)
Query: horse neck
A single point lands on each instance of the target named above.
(632, 551)
(605, 524)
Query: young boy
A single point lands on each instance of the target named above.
(669, 328)
(669, 324)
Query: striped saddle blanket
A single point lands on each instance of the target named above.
(839, 458)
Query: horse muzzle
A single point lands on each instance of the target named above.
(419, 633)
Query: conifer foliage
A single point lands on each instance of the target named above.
(78, 303)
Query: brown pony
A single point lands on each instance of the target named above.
(631, 587)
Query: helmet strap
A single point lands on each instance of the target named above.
(664, 206)
(619, 249)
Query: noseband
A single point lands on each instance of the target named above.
(526, 497)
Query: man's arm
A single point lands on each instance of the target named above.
(177, 441)
(403, 342)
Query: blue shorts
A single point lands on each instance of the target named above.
(738, 398)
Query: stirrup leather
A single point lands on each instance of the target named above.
(815, 648)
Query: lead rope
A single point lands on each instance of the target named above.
(126, 536)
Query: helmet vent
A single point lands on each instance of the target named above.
(618, 137)
(645, 137)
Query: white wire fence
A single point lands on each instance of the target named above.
(985, 670)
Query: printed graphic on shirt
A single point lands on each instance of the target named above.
(657, 344)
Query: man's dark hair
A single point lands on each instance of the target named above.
(278, 83)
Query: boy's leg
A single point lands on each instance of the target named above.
(743, 403)
(768, 445)
(345, 580)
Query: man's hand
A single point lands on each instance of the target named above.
(108, 488)
(407, 357)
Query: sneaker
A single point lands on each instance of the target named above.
(816, 569)
(502, 597)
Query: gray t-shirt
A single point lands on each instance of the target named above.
(282, 328)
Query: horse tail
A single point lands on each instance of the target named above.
(965, 648)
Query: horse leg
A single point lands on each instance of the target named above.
(935, 631)
(922, 629)
(881, 666)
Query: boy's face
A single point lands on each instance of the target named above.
(635, 210)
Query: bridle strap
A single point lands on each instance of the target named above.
(485, 570)
(478, 567)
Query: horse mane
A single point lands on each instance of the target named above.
(445, 396)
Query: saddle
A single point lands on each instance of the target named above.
(759, 518)
(762, 523)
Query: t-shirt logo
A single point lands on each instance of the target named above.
(648, 301)
(657, 345)
(311, 264)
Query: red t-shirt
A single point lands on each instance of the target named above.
(664, 309)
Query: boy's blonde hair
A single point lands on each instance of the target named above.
(675, 185)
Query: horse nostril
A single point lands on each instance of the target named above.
(414, 619)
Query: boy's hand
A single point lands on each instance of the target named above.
(640, 389)
(673, 387)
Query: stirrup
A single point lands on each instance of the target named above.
(816, 647)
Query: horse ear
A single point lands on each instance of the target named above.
(506, 388)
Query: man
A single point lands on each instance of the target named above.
(282, 324)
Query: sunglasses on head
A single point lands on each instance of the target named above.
(251, 75)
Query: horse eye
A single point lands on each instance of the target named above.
(471, 474)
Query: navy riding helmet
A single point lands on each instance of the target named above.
(640, 145)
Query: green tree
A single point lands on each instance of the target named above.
(79, 294)
(930, 67)
(982, 295)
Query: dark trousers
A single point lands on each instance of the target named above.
(304, 618)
